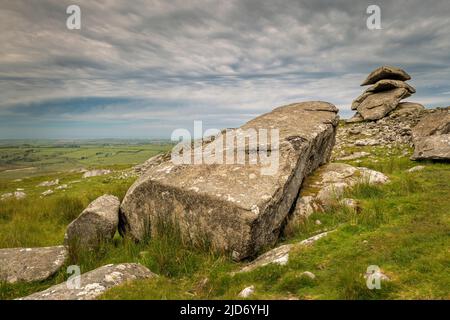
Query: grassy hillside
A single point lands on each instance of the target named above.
(403, 227)
(20, 159)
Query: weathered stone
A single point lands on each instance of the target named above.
(48, 183)
(326, 187)
(356, 118)
(96, 173)
(354, 156)
(407, 109)
(379, 104)
(386, 72)
(367, 142)
(308, 274)
(47, 193)
(382, 85)
(94, 283)
(387, 84)
(96, 224)
(30, 264)
(280, 255)
(246, 292)
(234, 206)
(431, 136)
(19, 195)
(415, 169)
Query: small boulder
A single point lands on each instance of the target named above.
(309, 275)
(30, 264)
(97, 223)
(431, 136)
(415, 169)
(49, 183)
(94, 283)
(407, 109)
(96, 173)
(379, 104)
(246, 292)
(280, 255)
(386, 72)
(387, 84)
(47, 193)
(356, 118)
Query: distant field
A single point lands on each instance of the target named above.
(19, 159)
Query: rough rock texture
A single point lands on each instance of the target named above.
(97, 223)
(280, 255)
(379, 104)
(407, 109)
(431, 136)
(356, 118)
(394, 130)
(380, 86)
(386, 84)
(30, 264)
(234, 206)
(94, 283)
(326, 187)
(153, 161)
(386, 72)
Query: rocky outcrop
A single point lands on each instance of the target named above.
(387, 90)
(394, 130)
(431, 136)
(325, 188)
(30, 264)
(235, 207)
(379, 104)
(93, 283)
(96, 224)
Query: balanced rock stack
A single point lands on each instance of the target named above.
(388, 88)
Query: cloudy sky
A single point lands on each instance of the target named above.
(144, 68)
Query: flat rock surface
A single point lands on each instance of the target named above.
(386, 72)
(234, 206)
(280, 255)
(30, 264)
(94, 283)
(386, 84)
(378, 105)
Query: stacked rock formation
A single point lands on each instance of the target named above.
(388, 88)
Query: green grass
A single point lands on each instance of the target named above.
(403, 227)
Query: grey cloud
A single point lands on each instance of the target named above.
(224, 61)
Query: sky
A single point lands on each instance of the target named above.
(141, 69)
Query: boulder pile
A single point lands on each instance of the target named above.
(388, 88)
